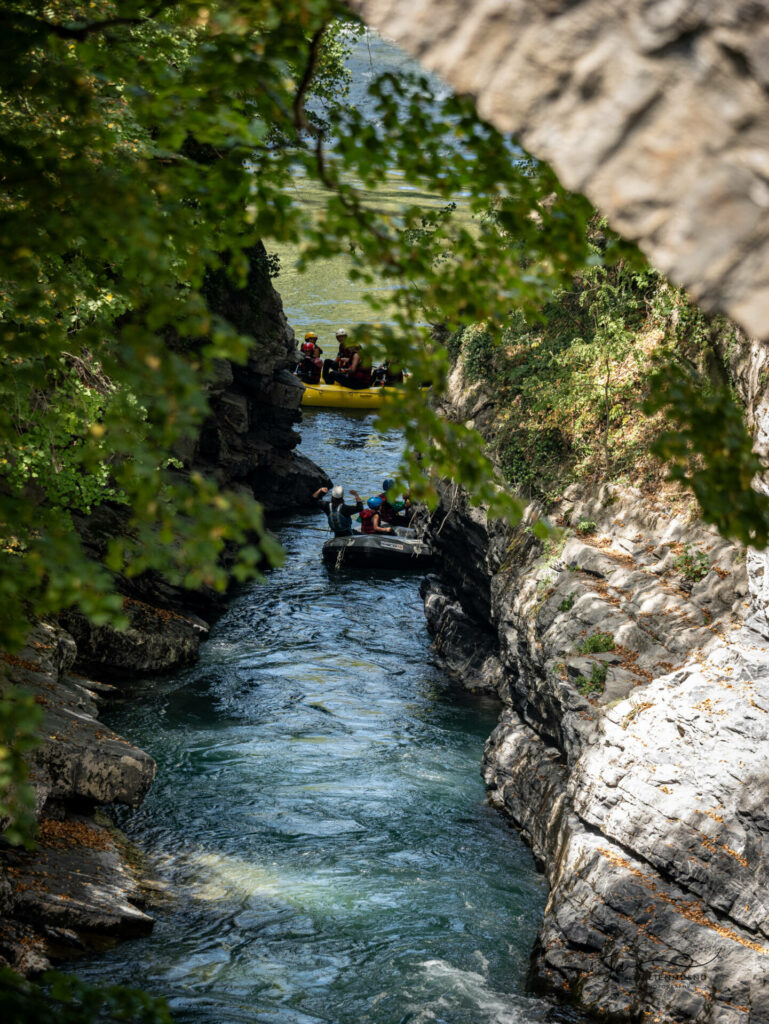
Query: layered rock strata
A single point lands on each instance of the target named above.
(76, 890)
(640, 774)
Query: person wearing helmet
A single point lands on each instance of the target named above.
(396, 513)
(339, 514)
(371, 517)
(342, 361)
(311, 364)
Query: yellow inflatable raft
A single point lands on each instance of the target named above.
(334, 396)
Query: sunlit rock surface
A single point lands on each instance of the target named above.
(643, 800)
(655, 109)
(639, 774)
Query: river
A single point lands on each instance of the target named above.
(318, 821)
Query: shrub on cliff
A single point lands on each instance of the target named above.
(594, 683)
(619, 377)
(597, 643)
(694, 565)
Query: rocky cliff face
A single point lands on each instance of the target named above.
(633, 749)
(249, 439)
(75, 890)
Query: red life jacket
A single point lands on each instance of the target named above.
(309, 370)
(387, 513)
(367, 521)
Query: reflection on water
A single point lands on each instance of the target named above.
(318, 816)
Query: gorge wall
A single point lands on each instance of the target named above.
(643, 794)
(249, 441)
(633, 749)
(76, 890)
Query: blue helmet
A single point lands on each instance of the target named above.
(388, 483)
(374, 503)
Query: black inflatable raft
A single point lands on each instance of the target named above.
(378, 551)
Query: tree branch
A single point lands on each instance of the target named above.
(82, 33)
(347, 198)
(300, 120)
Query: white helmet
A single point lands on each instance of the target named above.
(341, 333)
(337, 491)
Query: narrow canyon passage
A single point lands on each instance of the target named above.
(318, 819)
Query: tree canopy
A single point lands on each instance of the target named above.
(144, 146)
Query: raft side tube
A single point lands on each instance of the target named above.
(377, 551)
(336, 396)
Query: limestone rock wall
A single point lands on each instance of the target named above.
(657, 110)
(643, 795)
(750, 365)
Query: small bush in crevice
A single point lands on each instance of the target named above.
(532, 457)
(598, 643)
(585, 526)
(478, 352)
(692, 564)
(567, 604)
(595, 683)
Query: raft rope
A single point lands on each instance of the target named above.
(340, 556)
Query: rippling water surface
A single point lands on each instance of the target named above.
(318, 816)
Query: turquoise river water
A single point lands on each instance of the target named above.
(318, 819)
